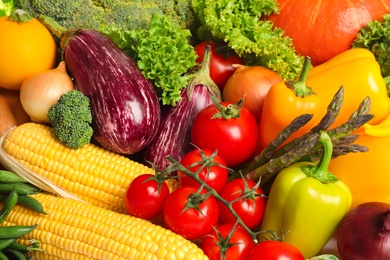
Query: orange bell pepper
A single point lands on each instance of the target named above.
(367, 174)
(285, 101)
(355, 69)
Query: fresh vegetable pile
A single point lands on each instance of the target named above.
(17, 191)
(132, 132)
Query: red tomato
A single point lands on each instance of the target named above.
(241, 241)
(190, 223)
(235, 138)
(275, 250)
(214, 176)
(221, 63)
(142, 198)
(250, 209)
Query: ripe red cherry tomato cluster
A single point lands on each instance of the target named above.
(250, 208)
(143, 198)
(221, 143)
(214, 176)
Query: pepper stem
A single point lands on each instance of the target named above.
(299, 86)
(321, 171)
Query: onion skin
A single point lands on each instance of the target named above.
(364, 233)
(252, 81)
(41, 90)
(124, 104)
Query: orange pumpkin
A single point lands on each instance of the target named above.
(324, 28)
(26, 47)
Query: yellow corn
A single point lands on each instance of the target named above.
(74, 230)
(92, 173)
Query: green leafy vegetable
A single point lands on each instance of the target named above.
(241, 24)
(6, 7)
(122, 14)
(163, 53)
(375, 36)
(71, 118)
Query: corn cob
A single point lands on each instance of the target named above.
(91, 173)
(76, 230)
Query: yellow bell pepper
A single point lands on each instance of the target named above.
(307, 202)
(367, 174)
(358, 71)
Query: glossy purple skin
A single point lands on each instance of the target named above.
(124, 104)
(174, 135)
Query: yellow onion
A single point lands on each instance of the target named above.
(43, 89)
(252, 81)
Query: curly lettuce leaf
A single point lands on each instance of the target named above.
(163, 54)
(375, 36)
(241, 24)
(6, 7)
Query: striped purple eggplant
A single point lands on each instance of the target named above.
(124, 104)
(174, 134)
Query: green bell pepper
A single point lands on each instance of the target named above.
(306, 203)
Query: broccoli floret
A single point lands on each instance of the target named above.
(71, 119)
(121, 14)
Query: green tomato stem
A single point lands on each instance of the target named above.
(211, 191)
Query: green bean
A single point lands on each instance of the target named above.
(32, 203)
(21, 188)
(33, 246)
(3, 256)
(27, 201)
(15, 231)
(14, 254)
(10, 177)
(6, 242)
(18, 246)
(8, 205)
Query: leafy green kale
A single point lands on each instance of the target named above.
(164, 56)
(6, 7)
(375, 36)
(241, 24)
(70, 118)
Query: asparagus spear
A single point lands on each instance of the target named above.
(306, 147)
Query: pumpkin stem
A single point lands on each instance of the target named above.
(20, 16)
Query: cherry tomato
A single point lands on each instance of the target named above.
(241, 241)
(190, 222)
(214, 176)
(275, 250)
(250, 209)
(221, 63)
(143, 199)
(235, 138)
